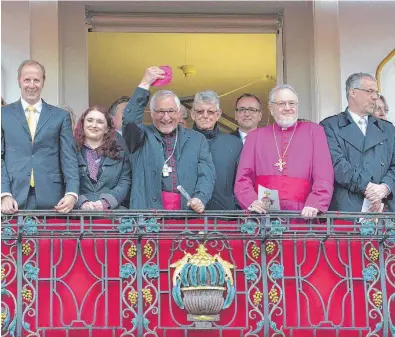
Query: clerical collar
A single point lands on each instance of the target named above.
(289, 128)
(209, 134)
(171, 134)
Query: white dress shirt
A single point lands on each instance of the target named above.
(357, 119)
(38, 106)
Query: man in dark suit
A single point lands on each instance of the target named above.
(248, 114)
(39, 167)
(116, 112)
(362, 150)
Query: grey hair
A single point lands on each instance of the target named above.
(70, 111)
(161, 95)
(354, 81)
(207, 96)
(278, 88)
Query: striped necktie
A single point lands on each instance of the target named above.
(362, 125)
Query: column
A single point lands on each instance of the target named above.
(326, 75)
(44, 45)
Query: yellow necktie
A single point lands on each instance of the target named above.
(32, 122)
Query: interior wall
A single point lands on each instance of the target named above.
(74, 56)
(117, 62)
(367, 36)
(15, 45)
(298, 53)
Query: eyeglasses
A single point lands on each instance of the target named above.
(201, 112)
(283, 104)
(161, 113)
(371, 92)
(244, 110)
(381, 110)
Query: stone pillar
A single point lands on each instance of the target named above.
(326, 74)
(44, 45)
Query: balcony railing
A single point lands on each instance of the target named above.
(146, 273)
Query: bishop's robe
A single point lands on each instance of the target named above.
(307, 177)
(306, 180)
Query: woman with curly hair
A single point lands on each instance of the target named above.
(105, 173)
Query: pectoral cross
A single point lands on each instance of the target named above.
(166, 170)
(280, 164)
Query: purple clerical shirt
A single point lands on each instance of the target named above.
(307, 157)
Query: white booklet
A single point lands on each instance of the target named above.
(366, 205)
(269, 198)
(365, 209)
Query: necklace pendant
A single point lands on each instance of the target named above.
(280, 164)
(166, 170)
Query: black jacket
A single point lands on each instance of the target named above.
(225, 150)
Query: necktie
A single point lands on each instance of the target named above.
(32, 122)
(362, 125)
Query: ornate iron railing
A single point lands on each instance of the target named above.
(145, 273)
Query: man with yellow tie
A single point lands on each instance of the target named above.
(39, 168)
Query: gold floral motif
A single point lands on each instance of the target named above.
(2, 273)
(132, 296)
(378, 298)
(148, 250)
(26, 248)
(273, 295)
(255, 251)
(373, 254)
(27, 295)
(201, 258)
(147, 295)
(270, 245)
(257, 297)
(2, 317)
(132, 251)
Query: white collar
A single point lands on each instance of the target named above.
(38, 106)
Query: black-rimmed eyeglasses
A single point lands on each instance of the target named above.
(244, 110)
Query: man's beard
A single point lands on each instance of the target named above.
(286, 122)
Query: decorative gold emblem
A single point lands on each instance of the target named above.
(200, 283)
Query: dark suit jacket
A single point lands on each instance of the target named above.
(236, 133)
(113, 183)
(52, 155)
(121, 142)
(358, 160)
(195, 168)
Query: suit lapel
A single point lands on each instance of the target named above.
(45, 114)
(350, 132)
(183, 137)
(81, 159)
(374, 133)
(107, 161)
(19, 114)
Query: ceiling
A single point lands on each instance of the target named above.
(224, 62)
